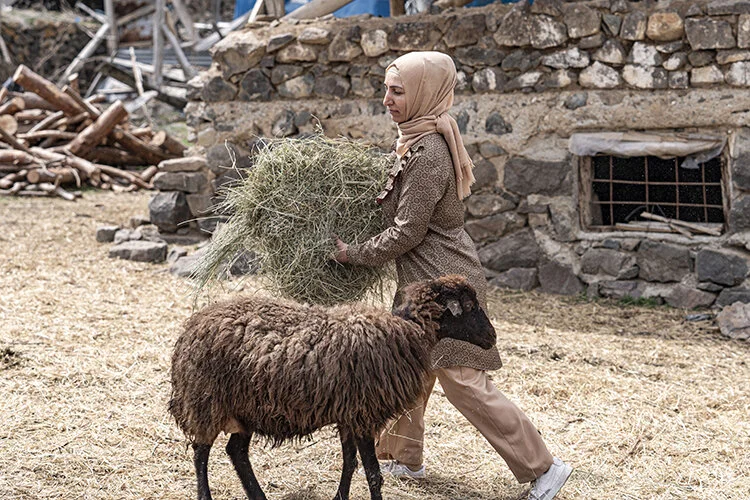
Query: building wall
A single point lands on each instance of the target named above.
(529, 77)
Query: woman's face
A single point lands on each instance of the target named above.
(395, 99)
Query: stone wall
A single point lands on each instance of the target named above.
(530, 76)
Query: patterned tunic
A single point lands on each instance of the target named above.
(425, 236)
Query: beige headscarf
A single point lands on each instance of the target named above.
(429, 79)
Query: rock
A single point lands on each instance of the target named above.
(296, 52)
(679, 80)
(485, 175)
(255, 86)
(138, 220)
(524, 176)
(283, 124)
(563, 214)
(675, 61)
(238, 52)
(488, 79)
(484, 204)
(284, 72)
(581, 20)
(169, 209)
(515, 28)
(184, 266)
(591, 42)
(188, 182)
(297, 88)
(413, 36)
(490, 149)
(217, 89)
(184, 164)
(743, 31)
(315, 36)
(518, 278)
(722, 268)
(223, 157)
(620, 6)
(123, 235)
(280, 41)
(620, 289)
(374, 43)
(734, 321)
(571, 58)
(175, 253)
(739, 74)
(731, 295)
(741, 171)
(106, 234)
(140, 251)
(148, 232)
(727, 7)
(710, 75)
(464, 30)
(709, 287)
(558, 279)
(342, 50)
(705, 33)
(739, 216)
(495, 124)
(551, 8)
(612, 52)
(331, 86)
(363, 87)
(200, 205)
(732, 56)
(547, 32)
(475, 56)
(644, 55)
(518, 249)
(523, 81)
(685, 297)
(558, 79)
(493, 227)
(642, 77)
(634, 26)
(662, 262)
(612, 24)
(599, 76)
(603, 260)
(521, 60)
(665, 26)
(700, 58)
(670, 47)
(577, 100)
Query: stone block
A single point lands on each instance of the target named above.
(679, 80)
(701, 58)
(496, 125)
(283, 124)
(662, 262)
(485, 204)
(644, 55)
(518, 278)
(495, 226)
(738, 74)
(612, 52)
(188, 182)
(612, 24)
(413, 36)
(314, 35)
(642, 77)
(620, 289)
(283, 72)
(342, 50)
(685, 297)
(186, 164)
(634, 26)
(485, 175)
(665, 26)
(238, 52)
(331, 86)
(734, 321)
(706, 33)
(464, 30)
(576, 100)
(557, 79)
(599, 76)
(106, 234)
(518, 249)
(526, 80)
(591, 42)
(581, 20)
(255, 86)
(514, 29)
(475, 56)
(547, 32)
(200, 205)
(524, 177)
(222, 157)
(560, 280)
(490, 149)
(607, 261)
(140, 251)
(727, 7)
(521, 60)
(570, 58)
(279, 41)
(741, 171)
(675, 61)
(297, 88)
(732, 56)
(723, 268)
(551, 8)
(488, 79)
(739, 215)
(710, 75)
(217, 89)
(169, 209)
(670, 47)
(374, 43)
(297, 52)
(184, 266)
(730, 296)
(743, 31)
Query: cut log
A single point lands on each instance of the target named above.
(45, 89)
(14, 190)
(31, 115)
(47, 122)
(16, 157)
(3, 94)
(698, 228)
(185, 19)
(163, 140)
(12, 106)
(56, 135)
(56, 190)
(87, 169)
(143, 132)
(187, 68)
(123, 174)
(158, 40)
(95, 132)
(10, 179)
(74, 83)
(115, 157)
(33, 101)
(149, 173)
(10, 140)
(9, 124)
(85, 104)
(136, 146)
(57, 175)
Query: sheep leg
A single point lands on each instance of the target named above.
(237, 449)
(349, 454)
(366, 446)
(200, 459)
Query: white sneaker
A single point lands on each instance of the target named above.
(548, 484)
(396, 469)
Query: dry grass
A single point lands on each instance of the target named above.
(643, 404)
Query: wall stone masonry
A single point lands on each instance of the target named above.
(528, 78)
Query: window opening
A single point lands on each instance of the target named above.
(623, 188)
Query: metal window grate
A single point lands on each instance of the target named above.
(623, 188)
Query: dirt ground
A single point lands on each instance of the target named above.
(642, 403)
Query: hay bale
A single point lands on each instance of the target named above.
(300, 193)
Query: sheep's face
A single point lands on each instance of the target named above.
(449, 307)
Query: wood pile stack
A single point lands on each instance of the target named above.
(52, 139)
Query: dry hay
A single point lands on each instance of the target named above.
(644, 405)
(297, 195)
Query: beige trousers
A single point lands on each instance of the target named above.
(502, 424)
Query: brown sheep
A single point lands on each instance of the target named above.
(282, 370)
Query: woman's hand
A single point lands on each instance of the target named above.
(340, 254)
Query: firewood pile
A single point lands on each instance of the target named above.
(53, 141)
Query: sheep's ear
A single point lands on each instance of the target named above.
(454, 307)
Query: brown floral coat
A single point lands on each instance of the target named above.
(425, 236)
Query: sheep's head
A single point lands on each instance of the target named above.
(447, 306)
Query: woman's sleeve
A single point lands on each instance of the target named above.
(422, 186)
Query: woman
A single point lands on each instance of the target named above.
(422, 205)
